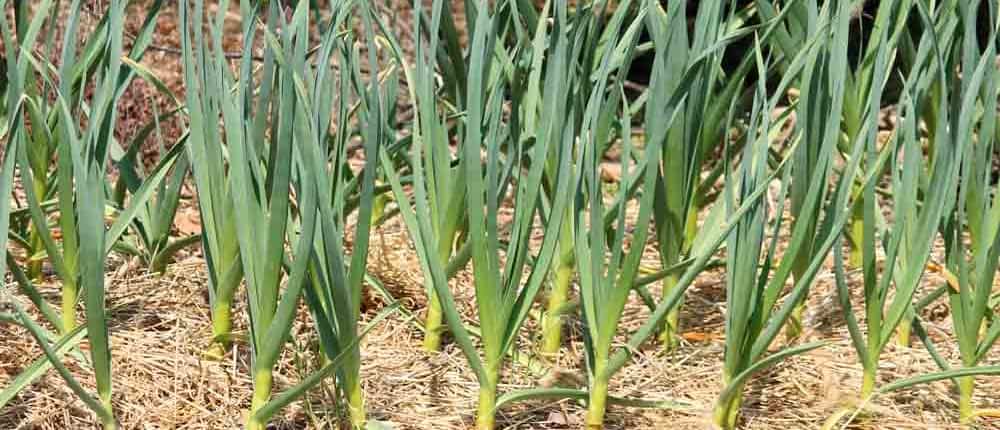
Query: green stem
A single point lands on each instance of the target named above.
(966, 411)
(486, 415)
(597, 403)
(262, 381)
(378, 208)
(356, 404)
(867, 382)
(108, 421)
(670, 333)
(552, 321)
(794, 328)
(222, 326)
(34, 236)
(905, 328)
(222, 308)
(70, 294)
(432, 338)
(726, 414)
(159, 264)
(434, 322)
(855, 233)
(35, 267)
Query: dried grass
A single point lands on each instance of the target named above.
(160, 324)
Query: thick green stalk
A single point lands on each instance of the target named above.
(966, 409)
(262, 382)
(70, 295)
(905, 328)
(35, 267)
(725, 415)
(856, 226)
(486, 415)
(349, 377)
(356, 404)
(870, 363)
(552, 322)
(597, 403)
(855, 233)
(35, 236)
(432, 337)
(222, 325)
(108, 421)
(868, 381)
(670, 333)
(159, 263)
(378, 207)
(222, 309)
(433, 324)
(795, 326)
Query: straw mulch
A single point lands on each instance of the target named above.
(159, 326)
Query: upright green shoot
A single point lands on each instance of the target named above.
(889, 26)
(153, 227)
(83, 155)
(607, 281)
(503, 294)
(335, 280)
(682, 188)
(907, 242)
(260, 139)
(756, 277)
(444, 168)
(214, 181)
(971, 231)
